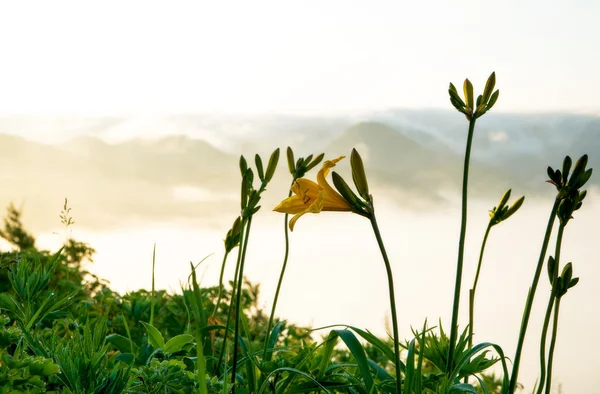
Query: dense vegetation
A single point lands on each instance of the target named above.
(64, 330)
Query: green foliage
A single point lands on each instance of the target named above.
(64, 330)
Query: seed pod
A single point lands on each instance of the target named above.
(579, 169)
(243, 165)
(566, 168)
(350, 197)
(259, 167)
(514, 208)
(316, 161)
(290, 160)
(358, 175)
(551, 268)
(468, 91)
(489, 87)
(272, 166)
(493, 99)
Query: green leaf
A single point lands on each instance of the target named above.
(126, 358)
(273, 336)
(463, 388)
(359, 354)
(155, 338)
(177, 343)
(122, 344)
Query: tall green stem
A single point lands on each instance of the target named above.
(530, 298)
(552, 345)
(238, 305)
(241, 252)
(461, 249)
(220, 284)
(283, 267)
(554, 274)
(388, 269)
(474, 288)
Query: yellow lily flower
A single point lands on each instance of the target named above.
(311, 197)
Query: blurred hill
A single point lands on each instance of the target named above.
(189, 170)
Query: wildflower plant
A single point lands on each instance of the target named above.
(91, 339)
(472, 110)
(297, 169)
(311, 197)
(497, 215)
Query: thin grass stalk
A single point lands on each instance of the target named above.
(153, 301)
(474, 288)
(283, 267)
(390, 277)
(542, 379)
(239, 303)
(554, 274)
(241, 251)
(530, 297)
(552, 345)
(461, 249)
(220, 295)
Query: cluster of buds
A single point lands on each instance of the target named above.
(503, 211)
(250, 195)
(471, 108)
(563, 282)
(232, 239)
(299, 168)
(569, 194)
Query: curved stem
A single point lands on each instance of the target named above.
(474, 288)
(233, 292)
(238, 305)
(283, 267)
(549, 310)
(220, 284)
(530, 298)
(461, 249)
(552, 345)
(388, 269)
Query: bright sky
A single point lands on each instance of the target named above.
(116, 57)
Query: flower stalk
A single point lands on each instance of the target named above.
(297, 169)
(472, 109)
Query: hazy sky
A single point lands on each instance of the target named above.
(312, 56)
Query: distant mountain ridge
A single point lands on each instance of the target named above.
(410, 154)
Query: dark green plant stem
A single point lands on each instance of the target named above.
(552, 345)
(543, 341)
(530, 297)
(285, 260)
(238, 305)
(474, 288)
(220, 284)
(554, 274)
(153, 302)
(461, 249)
(241, 251)
(390, 277)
